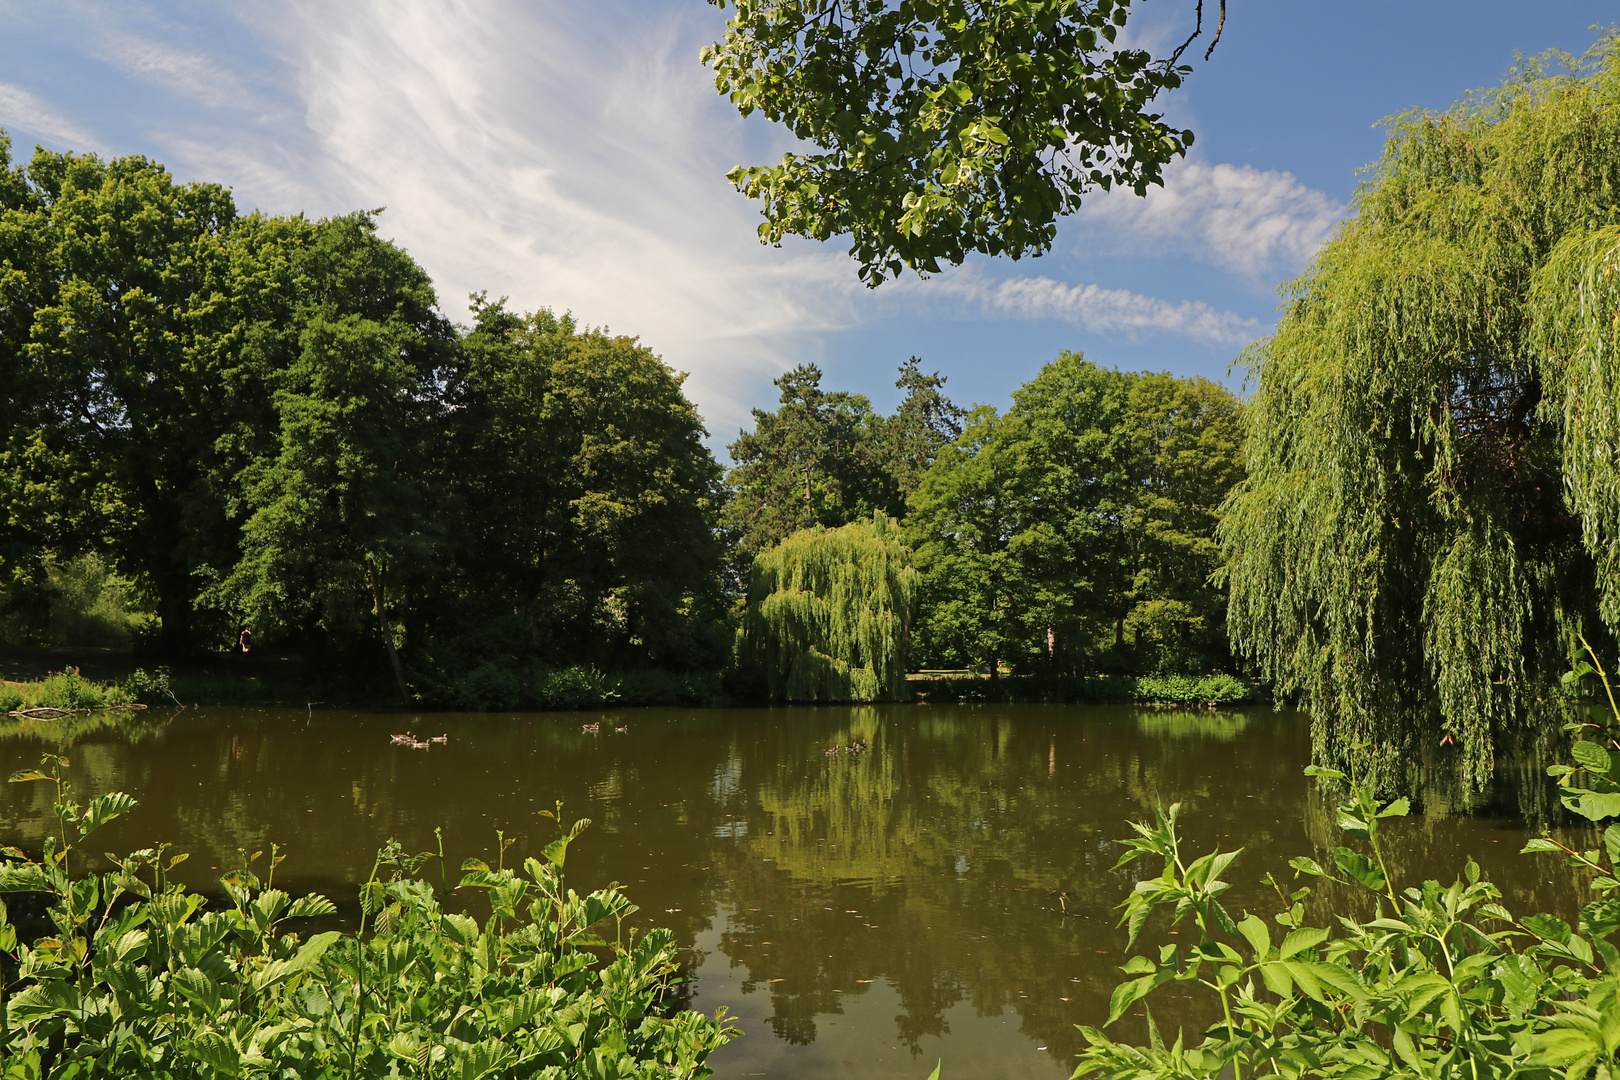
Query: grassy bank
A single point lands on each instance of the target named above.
(72, 691)
(1095, 690)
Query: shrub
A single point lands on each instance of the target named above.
(147, 688)
(574, 688)
(10, 698)
(68, 689)
(1443, 981)
(141, 978)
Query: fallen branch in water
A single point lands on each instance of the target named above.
(52, 712)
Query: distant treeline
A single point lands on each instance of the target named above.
(213, 420)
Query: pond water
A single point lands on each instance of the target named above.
(947, 894)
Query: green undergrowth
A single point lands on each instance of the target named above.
(495, 687)
(137, 977)
(67, 689)
(1101, 689)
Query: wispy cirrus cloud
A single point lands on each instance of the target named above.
(21, 113)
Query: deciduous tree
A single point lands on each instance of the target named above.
(943, 127)
(1428, 519)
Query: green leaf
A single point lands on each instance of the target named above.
(1254, 929)
(1303, 865)
(44, 1000)
(1539, 843)
(1548, 928)
(1306, 937)
(1592, 757)
(1399, 808)
(1361, 869)
(1594, 806)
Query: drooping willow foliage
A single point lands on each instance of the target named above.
(829, 613)
(1432, 508)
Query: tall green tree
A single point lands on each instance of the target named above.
(588, 502)
(827, 458)
(968, 526)
(810, 462)
(117, 376)
(1428, 519)
(348, 509)
(1079, 528)
(829, 613)
(943, 127)
(912, 438)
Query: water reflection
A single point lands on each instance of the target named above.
(948, 893)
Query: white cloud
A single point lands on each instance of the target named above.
(1260, 225)
(21, 111)
(536, 153)
(1118, 313)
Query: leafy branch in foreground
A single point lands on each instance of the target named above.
(137, 977)
(939, 127)
(1442, 981)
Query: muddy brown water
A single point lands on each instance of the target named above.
(947, 894)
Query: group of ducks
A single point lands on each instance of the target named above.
(592, 729)
(414, 743)
(856, 747)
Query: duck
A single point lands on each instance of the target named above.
(591, 729)
(623, 730)
(835, 751)
(420, 744)
(439, 738)
(404, 740)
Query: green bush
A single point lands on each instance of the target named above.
(148, 688)
(67, 689)
(574, 688)
(1097, 689)
(1443, 982)
(141, 978)
(10, 698)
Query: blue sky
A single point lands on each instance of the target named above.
(573, 156)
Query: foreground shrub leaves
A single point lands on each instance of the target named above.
(138, 977)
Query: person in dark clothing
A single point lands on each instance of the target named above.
(244, 641)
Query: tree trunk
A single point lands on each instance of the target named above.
(374, 573)
(808, 505)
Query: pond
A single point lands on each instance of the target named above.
(947, 894)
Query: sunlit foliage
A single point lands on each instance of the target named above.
(1430, 442)
(829, 612)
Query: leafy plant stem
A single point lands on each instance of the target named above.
(1614, 709)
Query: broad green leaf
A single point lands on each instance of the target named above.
(1591, 756)
(1254, 929)
(1306, 937)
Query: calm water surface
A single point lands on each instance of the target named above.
(948, 894)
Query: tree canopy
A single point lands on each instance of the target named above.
(943, 127)
(827, 458)
(1429, 519)
(1078, 529)
(269, 420)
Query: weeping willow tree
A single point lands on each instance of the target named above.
(1431, 515)
(829, 613)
